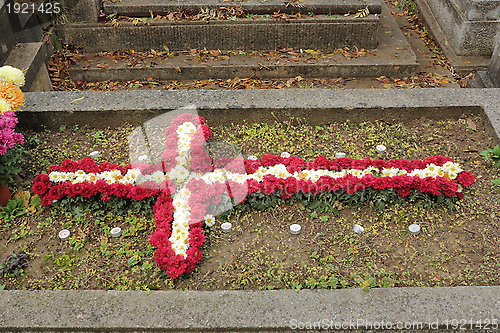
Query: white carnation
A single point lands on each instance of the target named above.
(12, 75)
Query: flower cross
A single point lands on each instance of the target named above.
(190, 187)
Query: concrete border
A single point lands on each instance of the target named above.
(53, 109)
(348, 310)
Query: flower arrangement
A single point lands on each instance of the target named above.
(190, 189)
(11, 99)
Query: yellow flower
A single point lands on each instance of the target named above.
(12, 94)
(4, 106)
(12, 75)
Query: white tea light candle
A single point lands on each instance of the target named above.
(358, 229)
(339, 155)
(94, 154)
(226, 227)
(381, 148)
(295, 229)
(414, 229)
(64, 234)
(116, 232)
(285, 154)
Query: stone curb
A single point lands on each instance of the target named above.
(111, 108)
(400, 309)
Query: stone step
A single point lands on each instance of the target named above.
(145, 7)
(183, 67)
(393, 57)
(325, 32)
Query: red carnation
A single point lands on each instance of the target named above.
(404, 192)
(74, 189)
(466, 178)
(207, 134)
(196, 237)
(88, 190)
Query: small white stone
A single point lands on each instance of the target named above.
(64, 234)
(252, 158)
(358, 229)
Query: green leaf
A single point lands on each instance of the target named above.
(35, 201)
(132, 261)
(485, 153)
(496, 151)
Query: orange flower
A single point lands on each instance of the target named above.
(12, 94)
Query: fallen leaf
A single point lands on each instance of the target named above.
(78, 99)
(471, 124)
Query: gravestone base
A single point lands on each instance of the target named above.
(470, 27)
(491, 77)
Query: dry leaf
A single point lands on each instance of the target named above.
(471, 124)
(362, 13)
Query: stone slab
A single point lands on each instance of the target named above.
(244, 34)
(41, 81)
(53, 109)
(30, 58)
(142, 7)
(419, 309)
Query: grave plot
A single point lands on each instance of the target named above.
(326, 254)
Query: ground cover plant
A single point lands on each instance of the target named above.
(260, 253)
